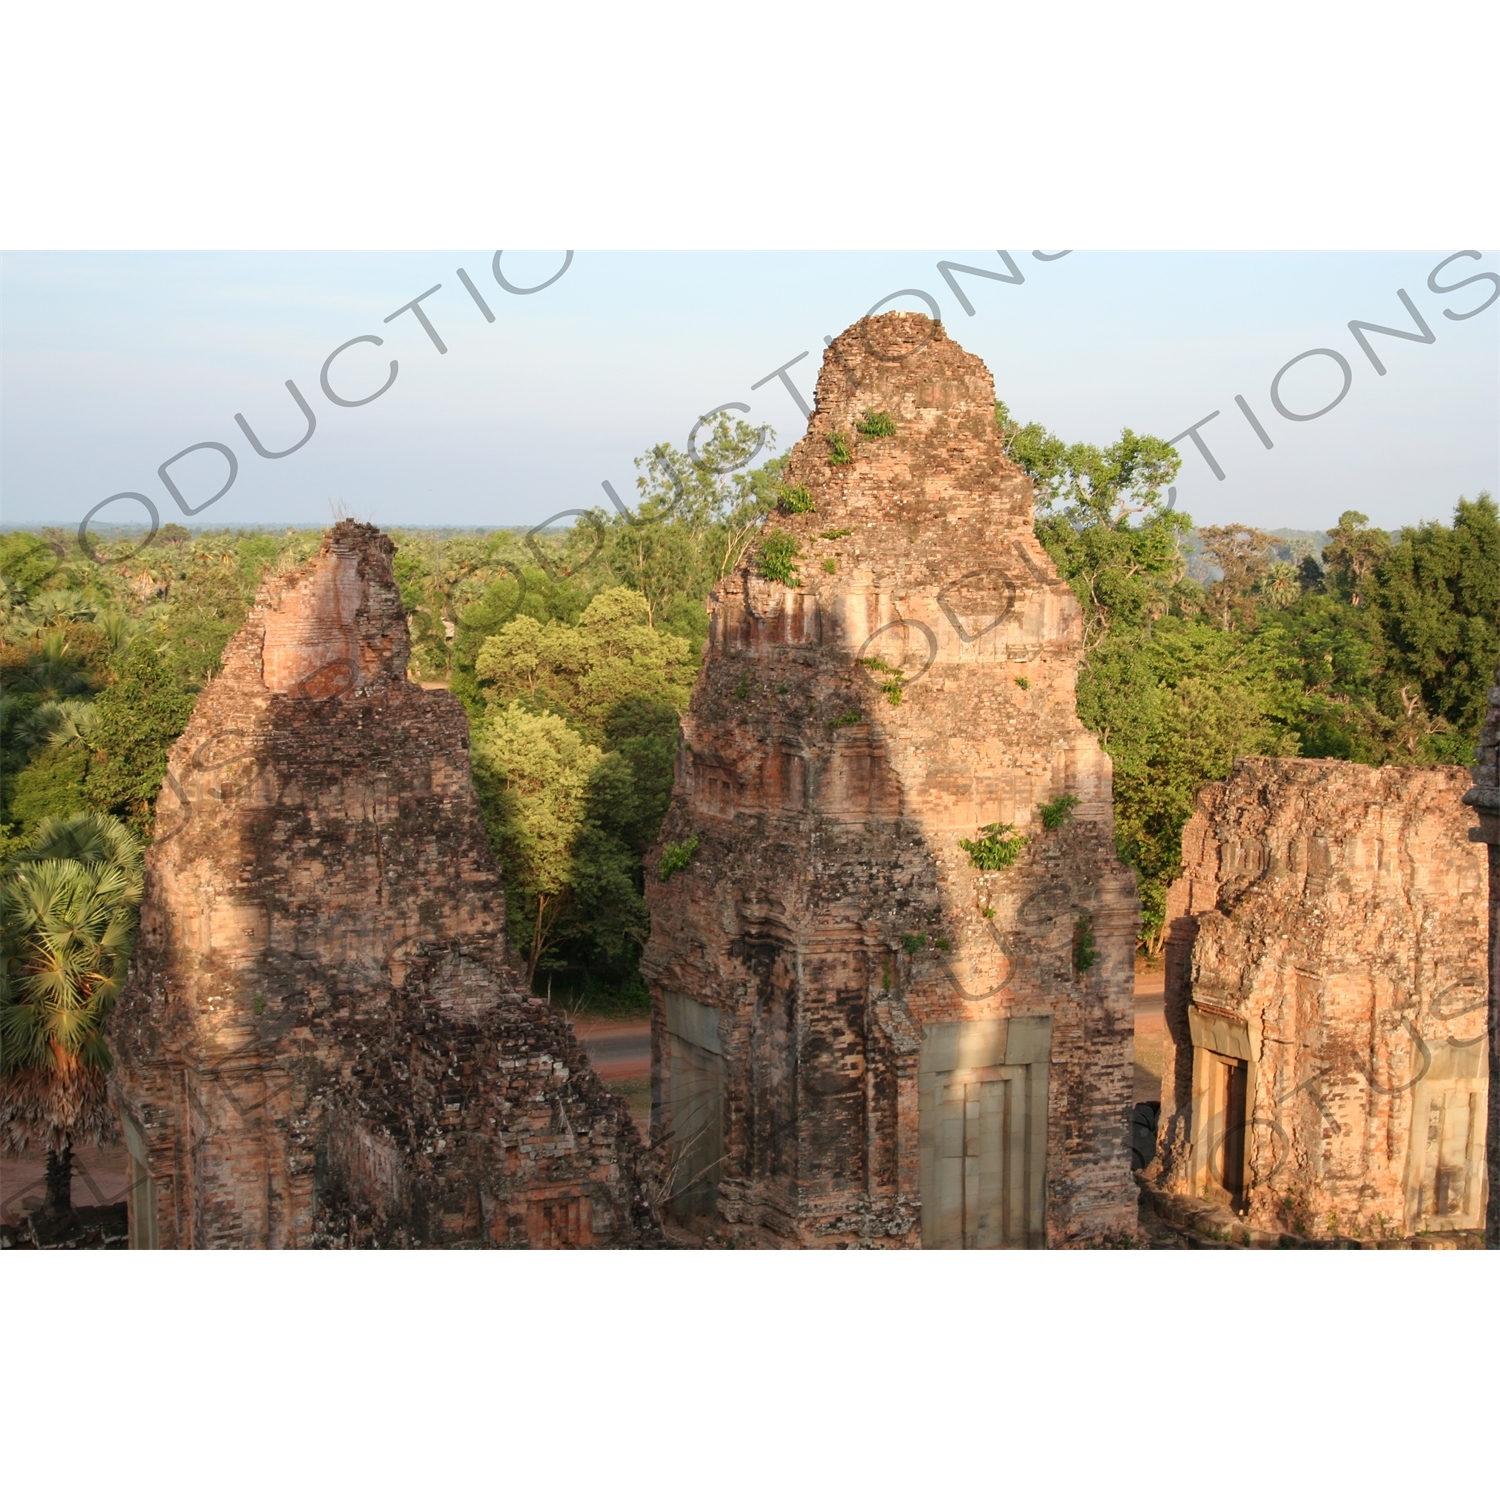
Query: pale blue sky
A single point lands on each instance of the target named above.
(113, 362)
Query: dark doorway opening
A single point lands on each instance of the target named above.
(1232, 1143)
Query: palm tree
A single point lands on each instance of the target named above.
(49, 610)
(51, 669)
(56, 723)
(68, 906)
(1282, 584)
(118, 627)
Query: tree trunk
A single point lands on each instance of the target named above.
(536, 946)
(59, 1182)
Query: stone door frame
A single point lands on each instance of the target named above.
(1219, 1039)
(1015, 1054)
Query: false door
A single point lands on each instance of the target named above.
(1445, 1178)
(983, 1135)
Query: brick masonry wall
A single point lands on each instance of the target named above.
(324, 1040)
(828, 818)
(1339, 913)
(1484, 798)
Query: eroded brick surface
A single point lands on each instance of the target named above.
(1328, 939)
(828, 820)
(324, 1040)
(1484, 798)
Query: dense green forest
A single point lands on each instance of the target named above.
(574, 652)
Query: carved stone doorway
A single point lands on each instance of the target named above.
(983, 1134)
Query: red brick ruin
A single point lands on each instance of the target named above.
(1326, 993)
(891, 952)
(860, 1038)
(324, 1041)
(1484, 798)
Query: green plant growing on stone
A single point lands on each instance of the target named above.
(259, 1005)
(677, 857)
(876, 424)
(1085, 954)
(779, 551)
(914, 942)
(853, 716)
(742, 687)
(943, 944)
(1296, 1211)
(830, 565)
(998, 847)
(1024, 683)
(1055, 814)
(837, 533)
(795, 500)
(886, 977)
(838, 449)
(988, 913)
(893, 683)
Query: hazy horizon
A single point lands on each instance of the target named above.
(112, 363)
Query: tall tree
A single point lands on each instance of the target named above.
(1243, 555)
(1354, 550)
(1436, 593)
(533, 774)
(583, 672)
(1123, 570)
(615, 685)
(698, 514)
(137, 719)
(1174, 706)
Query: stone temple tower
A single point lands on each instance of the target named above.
(864, 1033)
(1324, 1064)
(323, 1041)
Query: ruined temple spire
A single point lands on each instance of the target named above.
(849, 1003)
(324, 1040)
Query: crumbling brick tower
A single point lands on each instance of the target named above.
(1484, 798)
(1325, 1007)
(323, 1041)
(860, 1038)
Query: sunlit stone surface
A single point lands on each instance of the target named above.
(1326, 994)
